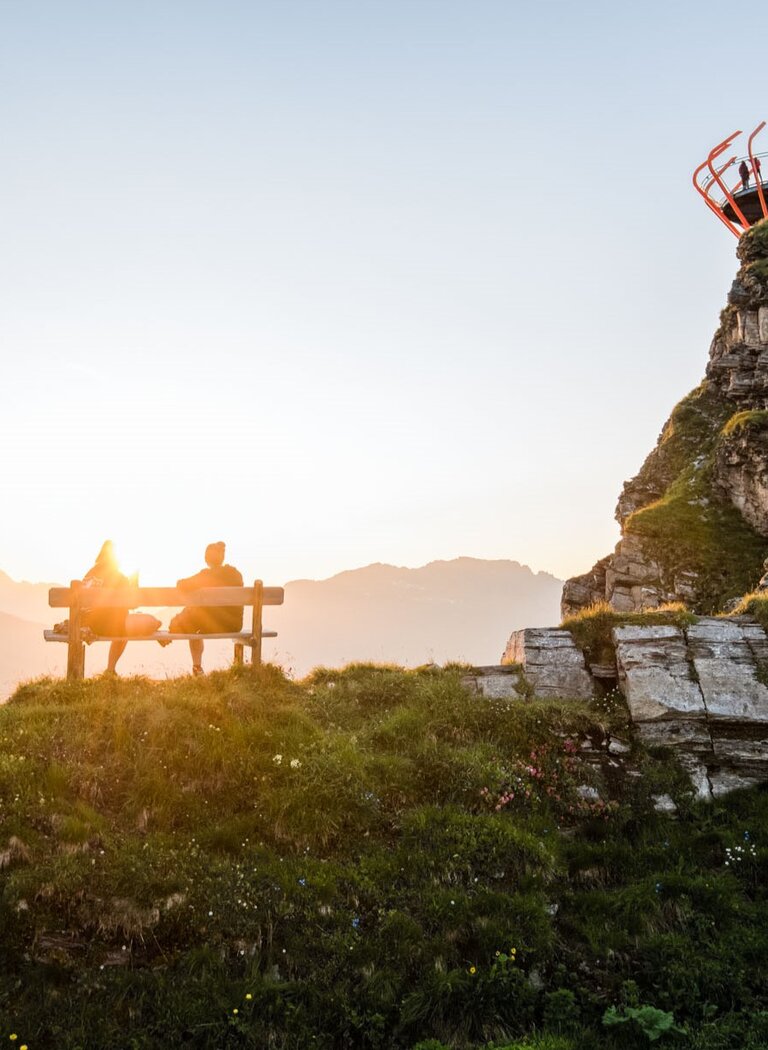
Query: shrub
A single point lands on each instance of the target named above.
(650, 1023)
(561, 1011)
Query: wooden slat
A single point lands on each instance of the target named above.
(135, 597)
(242, 638)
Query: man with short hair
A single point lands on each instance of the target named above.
(208, 619)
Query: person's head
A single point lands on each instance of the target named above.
(214, 554)
(107, 554)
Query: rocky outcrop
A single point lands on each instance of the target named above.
(741, 468)
(700, 690)
(551, 663)
(495, 683)
(707, 476)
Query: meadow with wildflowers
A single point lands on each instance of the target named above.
(369, 858)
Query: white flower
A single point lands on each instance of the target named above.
(295, 763)
(277, 759)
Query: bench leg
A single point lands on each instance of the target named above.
(75, 647)
(239, 653)
(75, 661)
(258, 597)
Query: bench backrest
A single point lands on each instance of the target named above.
(78, 598)
(149, 597)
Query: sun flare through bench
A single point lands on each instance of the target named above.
(78, 598)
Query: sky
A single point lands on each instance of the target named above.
(345, 281)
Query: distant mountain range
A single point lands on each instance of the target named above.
(464, 609)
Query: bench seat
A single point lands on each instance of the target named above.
(242, 637)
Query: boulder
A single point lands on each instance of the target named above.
(656, 675)
(725, 665)
(496, 683)
(551, 662)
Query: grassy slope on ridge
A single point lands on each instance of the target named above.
(369, 858)
(691, 527)
(686, 524)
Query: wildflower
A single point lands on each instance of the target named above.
(473, 969)
(277, 759)
(248, 996)
(235, 1011)
(355, 923)
(295, 763)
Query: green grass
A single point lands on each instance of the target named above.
(755, 605)
(755, 419)
(370, 858)
(690, 528)
(591, 627)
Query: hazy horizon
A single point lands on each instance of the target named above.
(322, 579)
(464, 610)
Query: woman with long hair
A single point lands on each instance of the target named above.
(105, 572)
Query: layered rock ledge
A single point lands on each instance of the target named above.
(701, 690)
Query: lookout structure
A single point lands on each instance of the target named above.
(746, 202)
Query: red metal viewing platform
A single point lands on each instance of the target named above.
(743, 204)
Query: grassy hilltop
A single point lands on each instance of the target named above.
(370, 858)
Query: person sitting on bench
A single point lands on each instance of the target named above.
(106, 573)
(212, 619)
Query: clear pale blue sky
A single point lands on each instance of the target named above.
(352, 280)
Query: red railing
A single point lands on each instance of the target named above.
(730, 195)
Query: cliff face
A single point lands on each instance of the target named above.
(694, 520)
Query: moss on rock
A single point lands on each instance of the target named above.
(690, 529)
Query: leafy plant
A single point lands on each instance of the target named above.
(652, 1023)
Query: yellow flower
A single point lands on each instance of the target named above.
(248, 996)
(235, 1011)
(473, 969)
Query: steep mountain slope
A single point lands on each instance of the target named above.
(695, 518)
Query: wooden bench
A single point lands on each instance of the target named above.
(77, 598)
